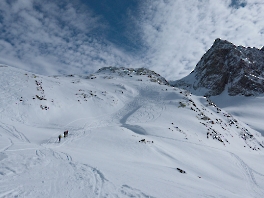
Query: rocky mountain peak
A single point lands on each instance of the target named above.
(225, 66)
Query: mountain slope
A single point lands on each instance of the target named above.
(130, 135)
(237, 69)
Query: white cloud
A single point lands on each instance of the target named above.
(49, 37)
(52, 36)
(178, 32)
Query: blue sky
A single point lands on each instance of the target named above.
(53, 37)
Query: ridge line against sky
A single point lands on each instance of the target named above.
(168, 36)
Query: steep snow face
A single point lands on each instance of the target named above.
(129, 136)
(226, 66)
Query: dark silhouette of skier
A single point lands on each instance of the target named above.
(59, 137)
(66, 133)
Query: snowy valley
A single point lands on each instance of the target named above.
(130, 135)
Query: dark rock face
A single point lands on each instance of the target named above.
(224, 66)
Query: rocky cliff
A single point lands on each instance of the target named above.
(226, 67)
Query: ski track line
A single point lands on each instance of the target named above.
(9, 193)
(14, 132)
(250, 177)
(140, 102)
(128, 191)
(258, 173)
(7, 147)
(253, 185)
(247, 170)
(85, 176)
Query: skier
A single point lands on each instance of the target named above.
(65, 133)
(59, 137)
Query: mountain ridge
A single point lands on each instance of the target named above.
(225, 66)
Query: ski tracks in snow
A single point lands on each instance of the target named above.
(254, 186)
(250, 178)
(141, 109)
(13, 132)
(48, 173)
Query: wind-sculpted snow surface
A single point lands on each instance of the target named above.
(45, 174)
(53, 174)
(129, 135)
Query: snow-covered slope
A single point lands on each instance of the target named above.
(246, 109)
(130, 135)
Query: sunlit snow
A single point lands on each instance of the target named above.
(130, 135)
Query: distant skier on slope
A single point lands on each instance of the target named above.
(59, 137)
(65, 133)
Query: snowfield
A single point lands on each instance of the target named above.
(130, 135)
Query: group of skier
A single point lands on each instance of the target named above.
(65, 134)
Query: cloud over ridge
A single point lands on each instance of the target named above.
(168, 36)
(179, 32)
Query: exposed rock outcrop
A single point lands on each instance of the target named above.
(236, 69)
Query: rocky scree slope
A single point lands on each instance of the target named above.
(122, 71)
